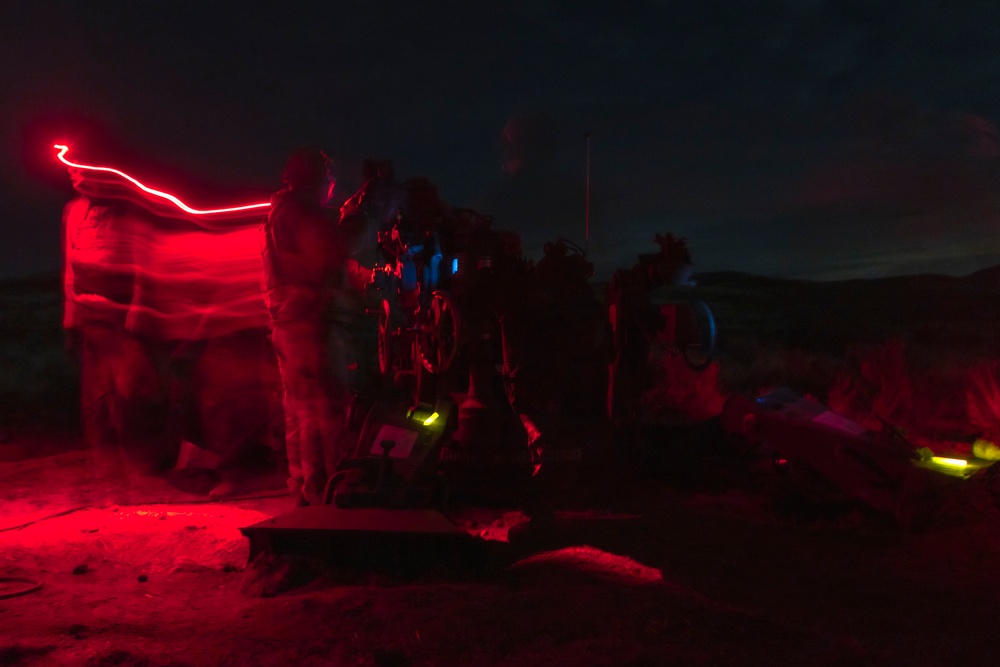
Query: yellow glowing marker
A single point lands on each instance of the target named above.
(951, 463)
(985, 449)
(430, 420)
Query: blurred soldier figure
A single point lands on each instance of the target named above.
(98, 280)
(304, 255)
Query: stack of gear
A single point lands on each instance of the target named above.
(652, 313)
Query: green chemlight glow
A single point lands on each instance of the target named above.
(953, 467)
(430, 420)
(953, 463)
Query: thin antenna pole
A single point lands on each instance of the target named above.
(586, 202)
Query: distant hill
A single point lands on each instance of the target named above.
(926, 309)
(989, 276)
(936, 308)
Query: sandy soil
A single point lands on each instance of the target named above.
(657, 571)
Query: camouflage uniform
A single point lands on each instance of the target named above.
(303, 263)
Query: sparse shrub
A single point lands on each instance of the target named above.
(679, 390)
(747, 366)
(982, 399)
(878, 387)
(924, 391)
(940, 381)
(751, 367)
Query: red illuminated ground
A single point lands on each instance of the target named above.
(669, 576)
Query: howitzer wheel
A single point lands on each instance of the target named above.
(696, 336)
(437, 339)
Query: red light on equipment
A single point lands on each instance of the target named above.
(63, 149)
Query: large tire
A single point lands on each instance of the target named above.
(697, 341)
(438, 335)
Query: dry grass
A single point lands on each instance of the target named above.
(930, 393)
(921, 353)
(982, 399)
(877, 387)
(751, 366)
(678, 390)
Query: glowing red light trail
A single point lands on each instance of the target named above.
(63, 149)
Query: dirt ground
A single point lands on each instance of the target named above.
(667, 565)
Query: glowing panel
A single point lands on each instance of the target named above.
(63, 149)
(404, 440)
(430, 420)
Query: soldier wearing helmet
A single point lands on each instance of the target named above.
(304, 256)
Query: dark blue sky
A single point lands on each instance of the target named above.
(798, 137)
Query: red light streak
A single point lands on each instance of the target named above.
(63, 149)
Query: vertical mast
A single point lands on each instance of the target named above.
(586, 202)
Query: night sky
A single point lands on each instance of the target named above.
(803, 138)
